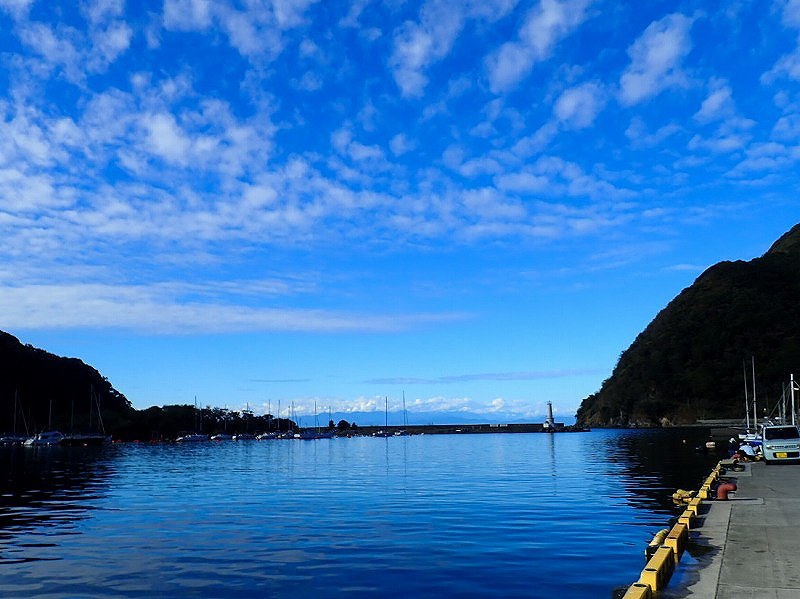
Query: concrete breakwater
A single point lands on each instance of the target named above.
(448, 429)
(744, 546)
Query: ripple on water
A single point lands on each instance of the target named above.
(468, 515)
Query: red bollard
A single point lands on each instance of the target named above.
(724, 489)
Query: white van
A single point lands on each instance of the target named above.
(780, 443)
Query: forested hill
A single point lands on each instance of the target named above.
(688, 363)
(64, 392)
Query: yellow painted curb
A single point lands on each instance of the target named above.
(660, 566)
(687, 518)
(638, 591)
(694, 506)
(658, 570)
(677, 539)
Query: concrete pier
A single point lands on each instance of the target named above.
(749, 546)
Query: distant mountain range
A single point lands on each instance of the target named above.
(692, 360)
(421, 418)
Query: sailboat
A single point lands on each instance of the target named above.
(49, 437)
(385, 432)
(748, 437)
(13, 438)
(403, 432)
(247, 435)
(89, 438)
(196, 436)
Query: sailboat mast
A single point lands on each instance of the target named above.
(755, 412)
(746, 399)
(387, 410)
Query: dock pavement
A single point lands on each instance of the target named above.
(749, 546)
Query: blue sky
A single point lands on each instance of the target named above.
(476, 204)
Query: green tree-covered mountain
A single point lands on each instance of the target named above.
(688, 363)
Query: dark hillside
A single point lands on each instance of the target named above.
(65, 394)
(64, 391)
(687, 363)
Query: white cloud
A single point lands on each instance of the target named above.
(787, 66)
(353, 15)
(577, 107)
(17, 8)
(790, 13)
(787, 127)
(58, 47)
(731, 135)
(766, 158)
(656, 59)
(545, 25)
(533, 144)
(722, 143)
(401, 144)
(109, 43)
(640, 137)
(569, 178)
(166, 139)
(155, 310)
(254, 31)
(523, 182)
(418, 45)
(188, 15)
(99, 11)
(717, 105)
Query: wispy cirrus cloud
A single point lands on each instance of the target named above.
(154, 309)
(484, 376)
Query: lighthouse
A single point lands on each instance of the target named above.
(549, 423)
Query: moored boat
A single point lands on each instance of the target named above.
(12, 439)
(44, 438)
(192, 438)
(85, 440)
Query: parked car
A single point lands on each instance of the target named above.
(780, 443)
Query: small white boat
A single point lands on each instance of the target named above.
(222, 437)
(244, 437)
(192, 438)
(44, 438)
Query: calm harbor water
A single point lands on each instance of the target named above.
(512, 515)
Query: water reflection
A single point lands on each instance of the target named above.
(653, 463)
(46, 491)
